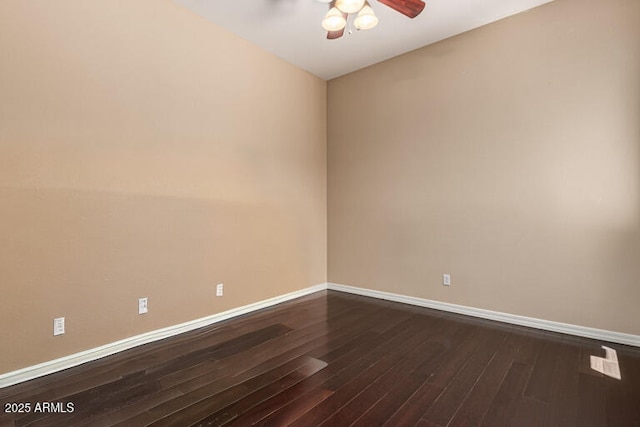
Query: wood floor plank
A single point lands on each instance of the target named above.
(505, 403)
(365, 341)
(352, 380)
(620, 403)
(144, 381)
(210, 385)
(257, 370)
(591, 401)
(533, 413)
(365, 359)
(309, 390)
(333, 359)
(374, 392)
(543, 371)
(391, 401)
(144, 356)
(447, 404)
(297, 342)
(195, 405)
(410, 412)
(247, 402)
(458, 345)
(563, 403)
(632, 373)
(475, 405)
(255, 362)
(372, 383)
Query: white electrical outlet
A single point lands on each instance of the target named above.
(220, 289)
(58, 326)
(446, 280)
(143, 305)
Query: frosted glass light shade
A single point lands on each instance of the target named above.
(366, 19)
(334, 21)
(350, 6)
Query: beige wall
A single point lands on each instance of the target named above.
(158, 157)
(146, 152)
(508, 157)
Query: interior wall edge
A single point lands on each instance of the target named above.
(70, 361)
(548, 325)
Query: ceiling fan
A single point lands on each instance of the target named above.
(339, 10)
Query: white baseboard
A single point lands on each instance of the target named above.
(76, 359)
(565, 328)
(46, 368)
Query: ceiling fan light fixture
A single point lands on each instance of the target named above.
(350, 6)
(366, 18)
(333, 20)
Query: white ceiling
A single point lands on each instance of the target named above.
(291, 29)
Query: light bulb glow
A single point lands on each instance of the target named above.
(366, 19)
(334, 21)
(350, 6)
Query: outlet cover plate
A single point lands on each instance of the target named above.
(58, 326)
(143, 305)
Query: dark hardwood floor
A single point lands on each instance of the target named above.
(334, 359)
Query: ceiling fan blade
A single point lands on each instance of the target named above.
(410, 8)
(332, 35)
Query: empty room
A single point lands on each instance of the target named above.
(320, 213)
